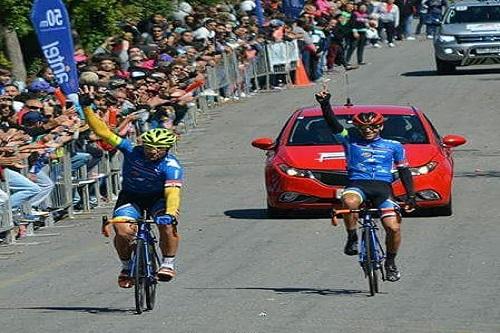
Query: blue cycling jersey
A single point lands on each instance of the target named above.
(145, 177)
(371, 159)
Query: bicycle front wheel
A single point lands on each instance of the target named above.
(370, 268)
(139, 275)
(151, 281)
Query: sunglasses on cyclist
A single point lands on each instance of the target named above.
(152, 149)
(370, 127)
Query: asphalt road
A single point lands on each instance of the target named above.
(241, 272)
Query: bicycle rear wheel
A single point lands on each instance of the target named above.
(370, 269)
(139, 276)
(151, 281)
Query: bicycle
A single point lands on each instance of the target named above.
(371, 253)
(144, 264)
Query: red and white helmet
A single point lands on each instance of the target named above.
(368, 118)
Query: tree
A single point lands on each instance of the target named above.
(14, 22)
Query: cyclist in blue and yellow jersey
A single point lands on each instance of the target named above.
(152, 181)
(370, 160)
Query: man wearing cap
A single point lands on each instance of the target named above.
(206, 32)
(41, 88)
(107, 68)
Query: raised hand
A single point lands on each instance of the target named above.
(323, 97)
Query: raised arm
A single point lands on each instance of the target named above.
(100, 128)
(94, 121)
(323, 99)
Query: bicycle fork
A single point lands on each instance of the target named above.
(376, 249)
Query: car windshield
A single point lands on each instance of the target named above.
(473, 14)
(308, 131)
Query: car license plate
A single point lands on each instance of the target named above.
(488, 50)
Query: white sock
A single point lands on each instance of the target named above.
(168, 262)
(125, 264)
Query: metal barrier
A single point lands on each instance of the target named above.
(60, 173)
(6, 221)
(231, 76)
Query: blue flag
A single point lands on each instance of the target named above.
(259, 13)
(292, 8)
(51, 22)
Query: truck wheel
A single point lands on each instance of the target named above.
(445, 67)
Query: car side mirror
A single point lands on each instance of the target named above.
(453, 140)
(263, 143)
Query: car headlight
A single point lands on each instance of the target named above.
(446, 38)
(294, 172)
(424, 169)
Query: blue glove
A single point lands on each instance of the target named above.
(165, 220)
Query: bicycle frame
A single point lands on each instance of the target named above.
(145, 233)
(371, 252)
(368, 224)
(144, 263)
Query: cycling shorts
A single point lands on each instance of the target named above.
(132, 205)
(377, 192)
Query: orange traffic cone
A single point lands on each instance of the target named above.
(301, 79)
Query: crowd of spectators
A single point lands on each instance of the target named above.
(151, 73)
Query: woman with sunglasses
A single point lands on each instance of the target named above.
(370, 160)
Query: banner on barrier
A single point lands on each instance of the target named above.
(50, 20)
(282, 53)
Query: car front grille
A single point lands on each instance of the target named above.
(332, 177)
(478, 39)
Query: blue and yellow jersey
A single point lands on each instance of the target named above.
(143, 176)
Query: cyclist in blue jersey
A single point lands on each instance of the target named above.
(370, 159)
(152, 181)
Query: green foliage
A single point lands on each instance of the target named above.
(15, 15)
(94, 20)
(97, 19)
(35, 67)
(4, 62)
(148, 8)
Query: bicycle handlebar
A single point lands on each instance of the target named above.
(105, 230)
(371, 210)
(140, 220)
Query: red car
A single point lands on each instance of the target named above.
(306, 167)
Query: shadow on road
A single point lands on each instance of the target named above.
(261, 214)
(306, 291)
(84, 309)
(478, 173)
(460, 72)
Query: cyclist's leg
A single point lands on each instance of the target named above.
(169, 242)
(352, 197)
(124, 233)
(124, 236)
(392, 225)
